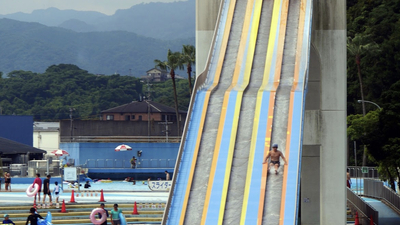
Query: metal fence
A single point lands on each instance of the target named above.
(51, 167)
(125, 163)
(365, 210)
(366, 172)
(376, 189)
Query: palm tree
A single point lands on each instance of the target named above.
(358, 47)
(189, 57)
(174, 61)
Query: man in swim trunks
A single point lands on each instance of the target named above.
(46, 189)
(274, 154)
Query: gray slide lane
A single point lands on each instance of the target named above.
(202, 169)
(279, 126)
(242, 145)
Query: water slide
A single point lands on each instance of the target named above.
(251, 95)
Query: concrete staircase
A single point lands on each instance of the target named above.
(149, 213)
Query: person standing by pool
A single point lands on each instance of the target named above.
(166, 175)
(7, 181)
(133, 162)
(46, 189)
(33, 217)
(102, 206)
(38, 181)
(56, 191)
(115, 220)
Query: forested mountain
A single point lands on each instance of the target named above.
(48, 96)
(34, 47)
(54, 17)
(166, 21)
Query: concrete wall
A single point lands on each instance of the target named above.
(102, 155)
(323, 192)
(206, 17)
(46, 140)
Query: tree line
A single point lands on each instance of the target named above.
(373, 85)
(51, 95)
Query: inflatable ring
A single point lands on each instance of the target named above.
(30, 192)
(93, 214)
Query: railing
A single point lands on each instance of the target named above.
(122, 163)
(357, 171)
(365, 210)
(376, 189)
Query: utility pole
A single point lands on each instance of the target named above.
(71, 126)
(148, 108)
(166, 127)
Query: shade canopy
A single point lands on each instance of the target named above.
(123, 147)
(8, 146)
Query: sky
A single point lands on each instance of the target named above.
(104, 6)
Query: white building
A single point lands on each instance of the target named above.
(46, 135)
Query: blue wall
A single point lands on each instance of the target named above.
(102, 155)
(17, 128)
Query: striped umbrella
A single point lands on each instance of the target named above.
(123, 147)
(59, 152)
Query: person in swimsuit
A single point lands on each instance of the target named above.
(33, 217)
(7, 181)
(274, 154)
(166, 175)
(56, 191)
(46, 189)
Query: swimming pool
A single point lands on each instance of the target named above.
(97, 186)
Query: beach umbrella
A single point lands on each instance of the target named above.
(123, 147)
(59, 152)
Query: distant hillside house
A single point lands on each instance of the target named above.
(156, 75)
(143, 111)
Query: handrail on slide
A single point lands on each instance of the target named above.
(216, 53)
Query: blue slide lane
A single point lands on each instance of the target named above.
(293, 167)
(255, 184)
(188, 148)
(186, 161)
(296, 135)
(216, 192)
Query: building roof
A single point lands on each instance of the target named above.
(46, 126)
(142, 107)
(8, 146)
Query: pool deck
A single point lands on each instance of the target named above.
(19, 197)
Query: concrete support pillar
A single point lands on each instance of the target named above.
(206, 17)
(325, 117)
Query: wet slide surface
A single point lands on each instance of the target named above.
(251, 98)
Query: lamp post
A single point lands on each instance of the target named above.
(365, 150)
(361, 101)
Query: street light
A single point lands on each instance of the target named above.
(360, 101)
(365, 150)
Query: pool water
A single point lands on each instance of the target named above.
(97, 186)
